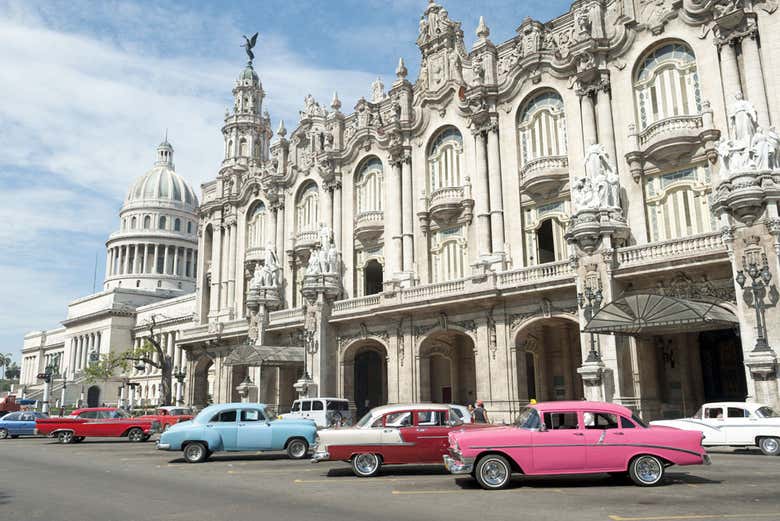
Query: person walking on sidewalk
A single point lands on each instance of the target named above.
(480, 414)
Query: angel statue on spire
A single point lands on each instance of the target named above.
(249, 45)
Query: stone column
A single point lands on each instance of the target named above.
(165, 260)
(232, 260)
(125, 259)
(606, 131)
(108, 262)
(729, 70)
(271, 228)
(393, 238)
(754, 78)
(216, 252)
(496, 191)
(280, 234)
(407, 208)
(327, 206)
(176, 260)
(481, 192)
(223, 268)
(588, 119)
(337, 224)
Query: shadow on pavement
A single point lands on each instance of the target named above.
(587, 481)
(245, 457)
(393, 471)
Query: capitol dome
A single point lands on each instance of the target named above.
(156, 245)
(162, 183)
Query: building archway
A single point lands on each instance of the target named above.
(93, 396)
(447, 368)
(548, 355)
(365, 375)
(373, 278)
(201, 392)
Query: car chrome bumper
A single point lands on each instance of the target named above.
(320, 456)
(457, 466)
(163, 446)
(706, 459)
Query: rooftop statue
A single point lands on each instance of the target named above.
(249, 45)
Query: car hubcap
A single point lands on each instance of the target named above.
(135, 436)
(297, 449)
(194, 452)
(3, 434)
(366, 463)
(494, 473)
(66, 437)
(770, 445)
(648, 470)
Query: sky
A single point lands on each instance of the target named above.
(88, 89)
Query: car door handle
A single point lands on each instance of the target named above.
(242, 424)
(618, 433)
(421, 430)
(578, 433)
(387, 430)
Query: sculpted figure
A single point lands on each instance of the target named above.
(774, 148)
(601, 174)
(584, 195)
(313, 268)
(743, 120)
(271, 267)
(760, 149)
(723, 148)
(333, 259)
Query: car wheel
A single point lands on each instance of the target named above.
(65, 437)
(646, 470)
(3, 434)
(195, 452)
(14, 436)
(135, 434)
(297, 448)
(366, 465)
(78, 439)
(769, 446)
(493, 472)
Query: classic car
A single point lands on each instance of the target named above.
(733, 423)
(238, 427)
(573, 438)
(169, 415)
(97, 421)
(18, 424)
(391, 435)
(326, 412)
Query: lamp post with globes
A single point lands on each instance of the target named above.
(760, 277)
(179, 374)
(590, 302)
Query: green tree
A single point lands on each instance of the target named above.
(5, 361)
(12, 371)
(106, 367)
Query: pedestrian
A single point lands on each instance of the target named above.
(480, 414)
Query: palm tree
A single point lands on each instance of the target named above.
(5, 361)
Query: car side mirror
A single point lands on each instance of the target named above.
(542, 427)
(454, 423)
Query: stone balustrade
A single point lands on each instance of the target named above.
(670, 125)
(431, 291)
(547, 271)
(686, 246)
(369, 225)
(543, 174)
(285, 315)
(368, 301)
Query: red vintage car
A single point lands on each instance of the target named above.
(392, 434)
(99, 422)
(169, 415)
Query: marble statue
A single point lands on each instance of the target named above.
(760, 149)
(314, 268)
(377, 91)
(774, 148)
(743, 120)
(602, 177)
(271, 267)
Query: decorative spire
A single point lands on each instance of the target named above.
(401, 70)
(248, 46)
(482, 29)
(336, 103)
(165, 152)
(282, 131)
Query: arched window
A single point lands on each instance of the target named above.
(229, 148)
(541, 128)
(368, 186)
(666, 84)
(444, 160)
(133, 223)
(163, 222)
(307, 209)
(243, 148)
(147, 222)
(372, 278)
(255, 232)
(449, 255)
(177, 225)
(189, 226)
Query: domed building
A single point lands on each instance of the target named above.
(156, 245)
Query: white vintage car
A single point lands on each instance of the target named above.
(737, 424)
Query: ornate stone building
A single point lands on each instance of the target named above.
(572, 213)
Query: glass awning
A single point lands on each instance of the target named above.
(647, 313)
(264, 355)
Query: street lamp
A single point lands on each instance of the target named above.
(590, 301)
(760, 277)
(310, 346)
(179, 374)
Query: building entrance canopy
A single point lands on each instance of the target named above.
(264, 355)
(647, 313)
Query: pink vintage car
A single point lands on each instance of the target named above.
(573, 438)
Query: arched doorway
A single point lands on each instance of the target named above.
(93, 396)
(447, 368)
(239, 373)
(722, 365)
(365, 376)
(548, 355)
(201, 393)
(373, 278)
(546, 242)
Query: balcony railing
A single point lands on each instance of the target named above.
(544, 174)
(672, 125)
(686, 246)
(547, 271)
(430, 291)
(285, 315)
(368, 301)
(369, 224)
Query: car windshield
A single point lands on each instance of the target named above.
(766, 412)
(527, 419)
(638, 420)
(119, 413)
(364, 421)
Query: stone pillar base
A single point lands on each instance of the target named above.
(592, 375)
(305, 387)
(763, 369)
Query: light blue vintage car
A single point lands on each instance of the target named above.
(238, 427)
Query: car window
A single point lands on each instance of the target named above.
(600, 420)
(296, 406)
(737, 412)
(224, 416)
(625, 423)
(398, 419)
(766, 412)
(377, 422)
(251, 415)
(698, 414)
(306, 405)
(560, 420)
(14, 416)
(337, 405)
(28, 417)
(457, 413)
(431, 418)
(316, 405)
(90, 415)
(713, 413)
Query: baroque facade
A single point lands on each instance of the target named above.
(572, 213)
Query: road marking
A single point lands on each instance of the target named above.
(774, 515)
(275, 471)
(360, 480)
(418, 492)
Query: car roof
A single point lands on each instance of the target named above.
(745, 405)
(582, 405)
(90, 409)
(385, 409)
(219, 407)
(322, 398)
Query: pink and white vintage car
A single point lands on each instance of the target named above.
(573, 438)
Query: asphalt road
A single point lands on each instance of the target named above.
(110, 480)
